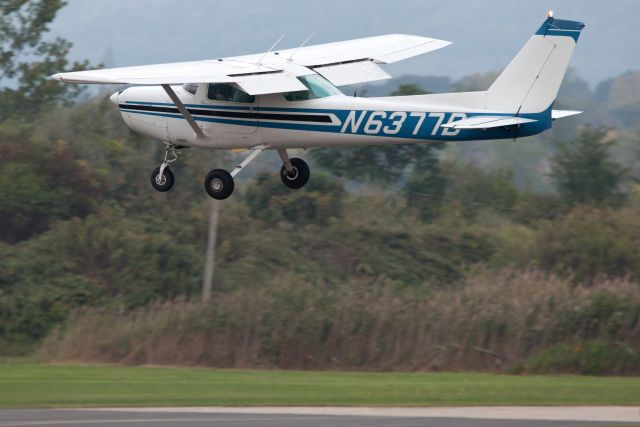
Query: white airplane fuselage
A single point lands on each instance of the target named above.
(337, 120)
(288, 99)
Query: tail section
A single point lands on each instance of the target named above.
(530, 83)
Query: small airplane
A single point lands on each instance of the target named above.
(285, 99)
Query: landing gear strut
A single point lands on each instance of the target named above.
(295, 172)
(219, 183)
(162, 178)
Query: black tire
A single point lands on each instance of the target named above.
(300, 176)
(219, 184)
(165, 183)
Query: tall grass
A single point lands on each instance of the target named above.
(491, 321)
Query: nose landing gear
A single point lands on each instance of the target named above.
(162, 178)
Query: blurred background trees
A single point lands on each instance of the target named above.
(585, 172)
(27, 59)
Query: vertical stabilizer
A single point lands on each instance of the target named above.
(530, 83)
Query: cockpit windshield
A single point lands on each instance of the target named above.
(318, 86)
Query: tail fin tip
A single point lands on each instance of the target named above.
(560, 27)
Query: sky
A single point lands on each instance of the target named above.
(486, 33)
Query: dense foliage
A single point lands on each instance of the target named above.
(407, 257)
(83, 230)
(526, 322)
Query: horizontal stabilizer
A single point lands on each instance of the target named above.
(486, 122)
(560, 114)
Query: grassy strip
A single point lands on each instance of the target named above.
(35, 385)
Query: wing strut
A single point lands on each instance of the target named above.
(255, 152)
(183, 110)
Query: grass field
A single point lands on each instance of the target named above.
(35, 385)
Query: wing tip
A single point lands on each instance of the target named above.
(82, 77)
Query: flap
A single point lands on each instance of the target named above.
(260, 84)
(350, 73)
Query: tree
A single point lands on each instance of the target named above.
(408, 89)
(426, 187)
(584, 171)
(475, 188)
(27, 61)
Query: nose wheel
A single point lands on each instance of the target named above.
(162, 178)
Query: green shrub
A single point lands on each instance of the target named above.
(476, 189)
(595, 357)
(105, 259)
(588, 243)
(320, 200)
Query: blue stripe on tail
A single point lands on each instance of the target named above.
(560, 27)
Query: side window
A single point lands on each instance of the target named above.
(228, 93)
(318, 87)
(192, 88)
(301, 95)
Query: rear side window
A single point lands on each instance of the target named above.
(318, 87)
(192, 88)
(228, 93)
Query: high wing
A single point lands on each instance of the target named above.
(347, 62)
(486, 122)
(355, 61)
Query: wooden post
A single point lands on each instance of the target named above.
(210, 257)
(212, 237)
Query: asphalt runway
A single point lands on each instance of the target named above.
(164, 417)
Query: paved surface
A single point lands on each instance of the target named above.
(290, 417)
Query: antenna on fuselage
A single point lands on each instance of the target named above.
(271, 48)
(301, 45)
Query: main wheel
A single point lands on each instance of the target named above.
(162, 183)
(219, 184)
(298, 177)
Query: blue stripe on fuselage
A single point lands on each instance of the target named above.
(427, 127)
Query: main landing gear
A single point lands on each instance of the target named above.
(219, 184)
(295, 172)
